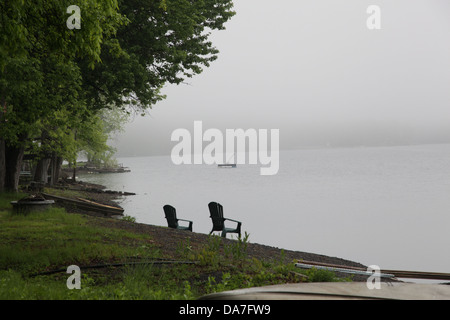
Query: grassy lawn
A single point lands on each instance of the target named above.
(34, 245)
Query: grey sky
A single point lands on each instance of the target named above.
(312, 69)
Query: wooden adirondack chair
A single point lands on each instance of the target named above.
(216, 211)
(172, 220)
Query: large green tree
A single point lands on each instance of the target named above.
(118, 59)
(39, 73)
(165, 41)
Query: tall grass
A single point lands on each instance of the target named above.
(54, 238)
(6, 198)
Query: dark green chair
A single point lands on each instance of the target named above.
(172, 220)
(216, 211)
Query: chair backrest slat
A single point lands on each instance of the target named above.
(171, 216)
(216, 211)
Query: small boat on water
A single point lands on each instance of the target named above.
(227, 165)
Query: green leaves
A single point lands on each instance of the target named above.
(165, 41)
(39, 72)
(54, 80)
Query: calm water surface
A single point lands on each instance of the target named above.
(388, 206)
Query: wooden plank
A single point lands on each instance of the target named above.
(331, 265)
(397, 273)
(98, 204)
(97, 207)
(419, 274)
(343, 269)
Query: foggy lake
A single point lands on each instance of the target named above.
(385, 206)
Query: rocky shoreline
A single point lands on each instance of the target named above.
(168, 240)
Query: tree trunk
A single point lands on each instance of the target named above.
(55, 166)
(2, 147)
(2, 165)
(74, 173)
(59, 161)
(13, 164)
(41, 172)
(52, 169)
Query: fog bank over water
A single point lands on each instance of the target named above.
(313, 70)
(137, 142)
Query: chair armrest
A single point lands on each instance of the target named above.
(238, 222)
(190, 223)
